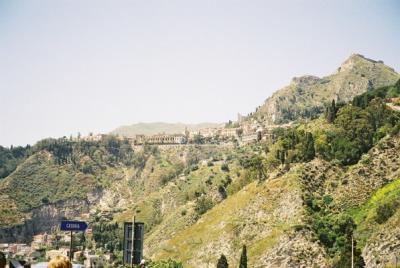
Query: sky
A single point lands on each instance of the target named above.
(90, 66)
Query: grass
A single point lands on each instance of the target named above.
(226, 225)
(40, 181)
(364, 216)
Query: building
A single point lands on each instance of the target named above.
(159, 139)
(228, 132)
(93, 261)
(77, 255)
(251, 138)
(51, 254)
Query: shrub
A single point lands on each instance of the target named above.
(222, 262)
(222, 192)
(225, 167)
(385, 211)
(202, 205)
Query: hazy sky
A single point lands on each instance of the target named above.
(69, 66)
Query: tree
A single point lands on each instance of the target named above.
(222, 262)
(354, 134)
(309, 151)
(243, 258)
(331, 112)
(198, 139)
(256, 165)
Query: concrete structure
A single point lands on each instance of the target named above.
(205, 132)
(159, 139)
(51, 254)
(228, 132)
(93, 261)
(251, 138)
(77, 255)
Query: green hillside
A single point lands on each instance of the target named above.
(295, 200)
(269, 217)
(56, 170)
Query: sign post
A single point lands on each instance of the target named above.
(70, 250)
(73, 226)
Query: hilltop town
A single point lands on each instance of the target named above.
(245, 130)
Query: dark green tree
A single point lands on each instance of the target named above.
(198, 139)
(222, 262)
(331, 112)
(243, 258)
(256, 165)
(309, 151)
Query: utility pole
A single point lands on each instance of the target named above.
(352, 251)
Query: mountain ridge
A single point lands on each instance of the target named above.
(306, 96)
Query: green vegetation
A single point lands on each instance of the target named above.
(165, 264)
(10, 158)
(293, 145)
(330, 112)
(392, 91)
(381, 206)
(58, 170)
(307, 96)
(355, 130)
(202, 205)
(107, 235)
(222, 262)
(243, 258)
(385, 211)
(196, 196)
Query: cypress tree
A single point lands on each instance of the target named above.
(243, 258)
(331, 112)
(309, 151)
(222, 262)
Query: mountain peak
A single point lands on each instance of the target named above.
(307, 95)
(355, 59)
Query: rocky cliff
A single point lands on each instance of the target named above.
(306, 96)
(45, 218)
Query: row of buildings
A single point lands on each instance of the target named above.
(245, 133)
(42, 249)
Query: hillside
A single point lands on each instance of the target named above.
(160, 127)
(307, 96)
(295, 200)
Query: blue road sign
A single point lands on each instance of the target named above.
(73, 226)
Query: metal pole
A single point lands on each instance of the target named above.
(133, 240)
(352, 252)
(70, 249)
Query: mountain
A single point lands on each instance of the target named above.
(160, 127)
(295, 200)
(307, 96)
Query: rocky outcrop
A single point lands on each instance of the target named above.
(296, 249)
(383, 249)
(46, 217)
(306, 96)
